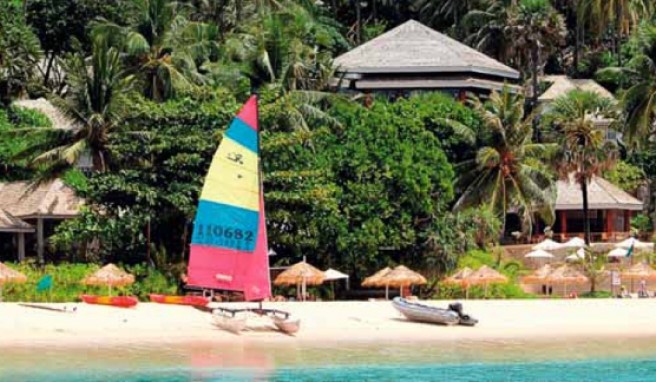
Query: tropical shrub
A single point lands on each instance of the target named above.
(626, 176)
(67, 286)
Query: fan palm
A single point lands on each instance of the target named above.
(485, 27)
(536, 30)
(95, 102)
(506, 172)
(585, 152)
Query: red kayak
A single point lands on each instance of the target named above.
(180, 300)
(119, 301)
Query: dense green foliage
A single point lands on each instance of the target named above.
(19, 51)
(67, 285)
(424, 181)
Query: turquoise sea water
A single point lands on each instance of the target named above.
(616, 361)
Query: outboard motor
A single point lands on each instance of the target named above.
(464, 318)
(456, 307)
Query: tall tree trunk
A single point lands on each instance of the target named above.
(618, 32)
(577, 45)
(358, 16)
(534, 97)
(238, 10)
(586, 219)
(46, 75)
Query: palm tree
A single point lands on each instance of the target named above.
(639, 101)
(485, 28)
(585, 152)
(164, 48)
(435, 12)
(536, 30)
(623, 15)
(95, 102)
(507, 171)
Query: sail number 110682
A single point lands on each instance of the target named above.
(222, 235)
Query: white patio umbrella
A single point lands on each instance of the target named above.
(579, 255)
(539, 254)
(547, 245)
(332, 274)
(618, 252)
(635, 243)
(575, 242)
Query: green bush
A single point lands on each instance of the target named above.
(494, 291)
(597, 294)
(477, 258)
(67, 286)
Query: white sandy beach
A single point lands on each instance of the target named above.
(332, 321)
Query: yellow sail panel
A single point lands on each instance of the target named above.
(233, 177)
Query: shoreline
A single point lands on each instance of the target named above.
(353, 322)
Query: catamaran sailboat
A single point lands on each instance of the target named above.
(229, 249)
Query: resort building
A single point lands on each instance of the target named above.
(413, 57)
(29, 213)
(560, 85)
(610, 212)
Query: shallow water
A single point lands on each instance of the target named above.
(494, 361)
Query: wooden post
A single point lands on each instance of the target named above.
(563, 224)
(610, 222)
(21, 247)
(627, 221)
(39, 239)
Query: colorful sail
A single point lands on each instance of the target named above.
(229, 248)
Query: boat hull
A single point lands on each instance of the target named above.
(179, 300)
(118, 301)
(430, 314)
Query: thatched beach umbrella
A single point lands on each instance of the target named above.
(540, 276)
(485, 276)
(300, 274)
(460, 278)
(8, 275)
(374, 280)
(109, 275)
(640, 271)
(566, 275)
(400, 277)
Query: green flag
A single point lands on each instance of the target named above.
(44, 284)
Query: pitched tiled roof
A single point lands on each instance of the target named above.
(601, 195)
(50, 199)
(561, 85)
(9, 223)
(415, 48)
